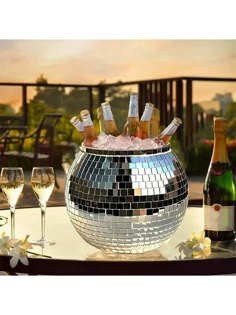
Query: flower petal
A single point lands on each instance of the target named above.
(206, 242)
(207, 251)
(24, 260)
(197, 252)
(187, 251)
(200, 236)
(14, 261)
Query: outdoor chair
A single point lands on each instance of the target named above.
(10, 135)
(42, 147)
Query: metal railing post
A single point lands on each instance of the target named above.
(90, 91)
(179, 112)
(141, 95)
(25, 104)
(189, 115)
(102, 93)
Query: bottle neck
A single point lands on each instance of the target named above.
(107, 113)
(100, 119)
(77, 124)
(133, 106)
(220, 153)
(87, 121)
(147, 114)
(170, 129)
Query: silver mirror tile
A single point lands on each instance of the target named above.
(127, 202)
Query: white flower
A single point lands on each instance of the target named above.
(5, 243)
(19, 252)
(197, 246)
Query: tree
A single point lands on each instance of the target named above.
(78, 99)
(230, 112)
(53, 96)
(36, 111)
(6, 109)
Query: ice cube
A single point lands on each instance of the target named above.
(101, 142)
(109, 142)
(147, 144)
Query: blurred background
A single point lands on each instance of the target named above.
(192, 79)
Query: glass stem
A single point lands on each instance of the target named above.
(12, 210)
(43, 212)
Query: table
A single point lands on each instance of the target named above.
(71, 255)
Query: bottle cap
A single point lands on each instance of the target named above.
(84, 113)
(177, 121)
(149, 105)
(105, 104)
(73, 120)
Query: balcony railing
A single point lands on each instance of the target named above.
(173, 97)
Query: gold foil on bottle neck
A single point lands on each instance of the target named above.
(220, 124)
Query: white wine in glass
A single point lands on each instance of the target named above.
(43, 181)
(12, 183)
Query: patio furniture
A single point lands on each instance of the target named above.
(41, 150)
(9, 135)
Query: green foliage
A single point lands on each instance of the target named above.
(230, 112)
(52, 96)
(197, 108)
(6, 109)
(198, 160)
(176, 148)
(119, 107)
(36, 111)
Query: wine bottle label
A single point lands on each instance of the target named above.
(219, 168)
(218, 217)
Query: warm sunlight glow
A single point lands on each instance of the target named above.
(91, 61)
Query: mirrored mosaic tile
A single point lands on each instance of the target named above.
(125, 202)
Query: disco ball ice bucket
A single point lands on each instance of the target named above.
(126, 201)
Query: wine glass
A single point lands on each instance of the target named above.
(43, 181)
(12, 183)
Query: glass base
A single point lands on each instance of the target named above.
(43, 242)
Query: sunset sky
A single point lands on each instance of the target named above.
(90, 61)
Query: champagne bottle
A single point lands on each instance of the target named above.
(169, 131)
(109, 122)
(77, 124)
(144, 124)
(219, 189)
(131, 128)
(89, 129)
(154, 123)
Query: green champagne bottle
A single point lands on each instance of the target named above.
(219, 189)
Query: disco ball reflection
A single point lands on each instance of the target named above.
(126, 201)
